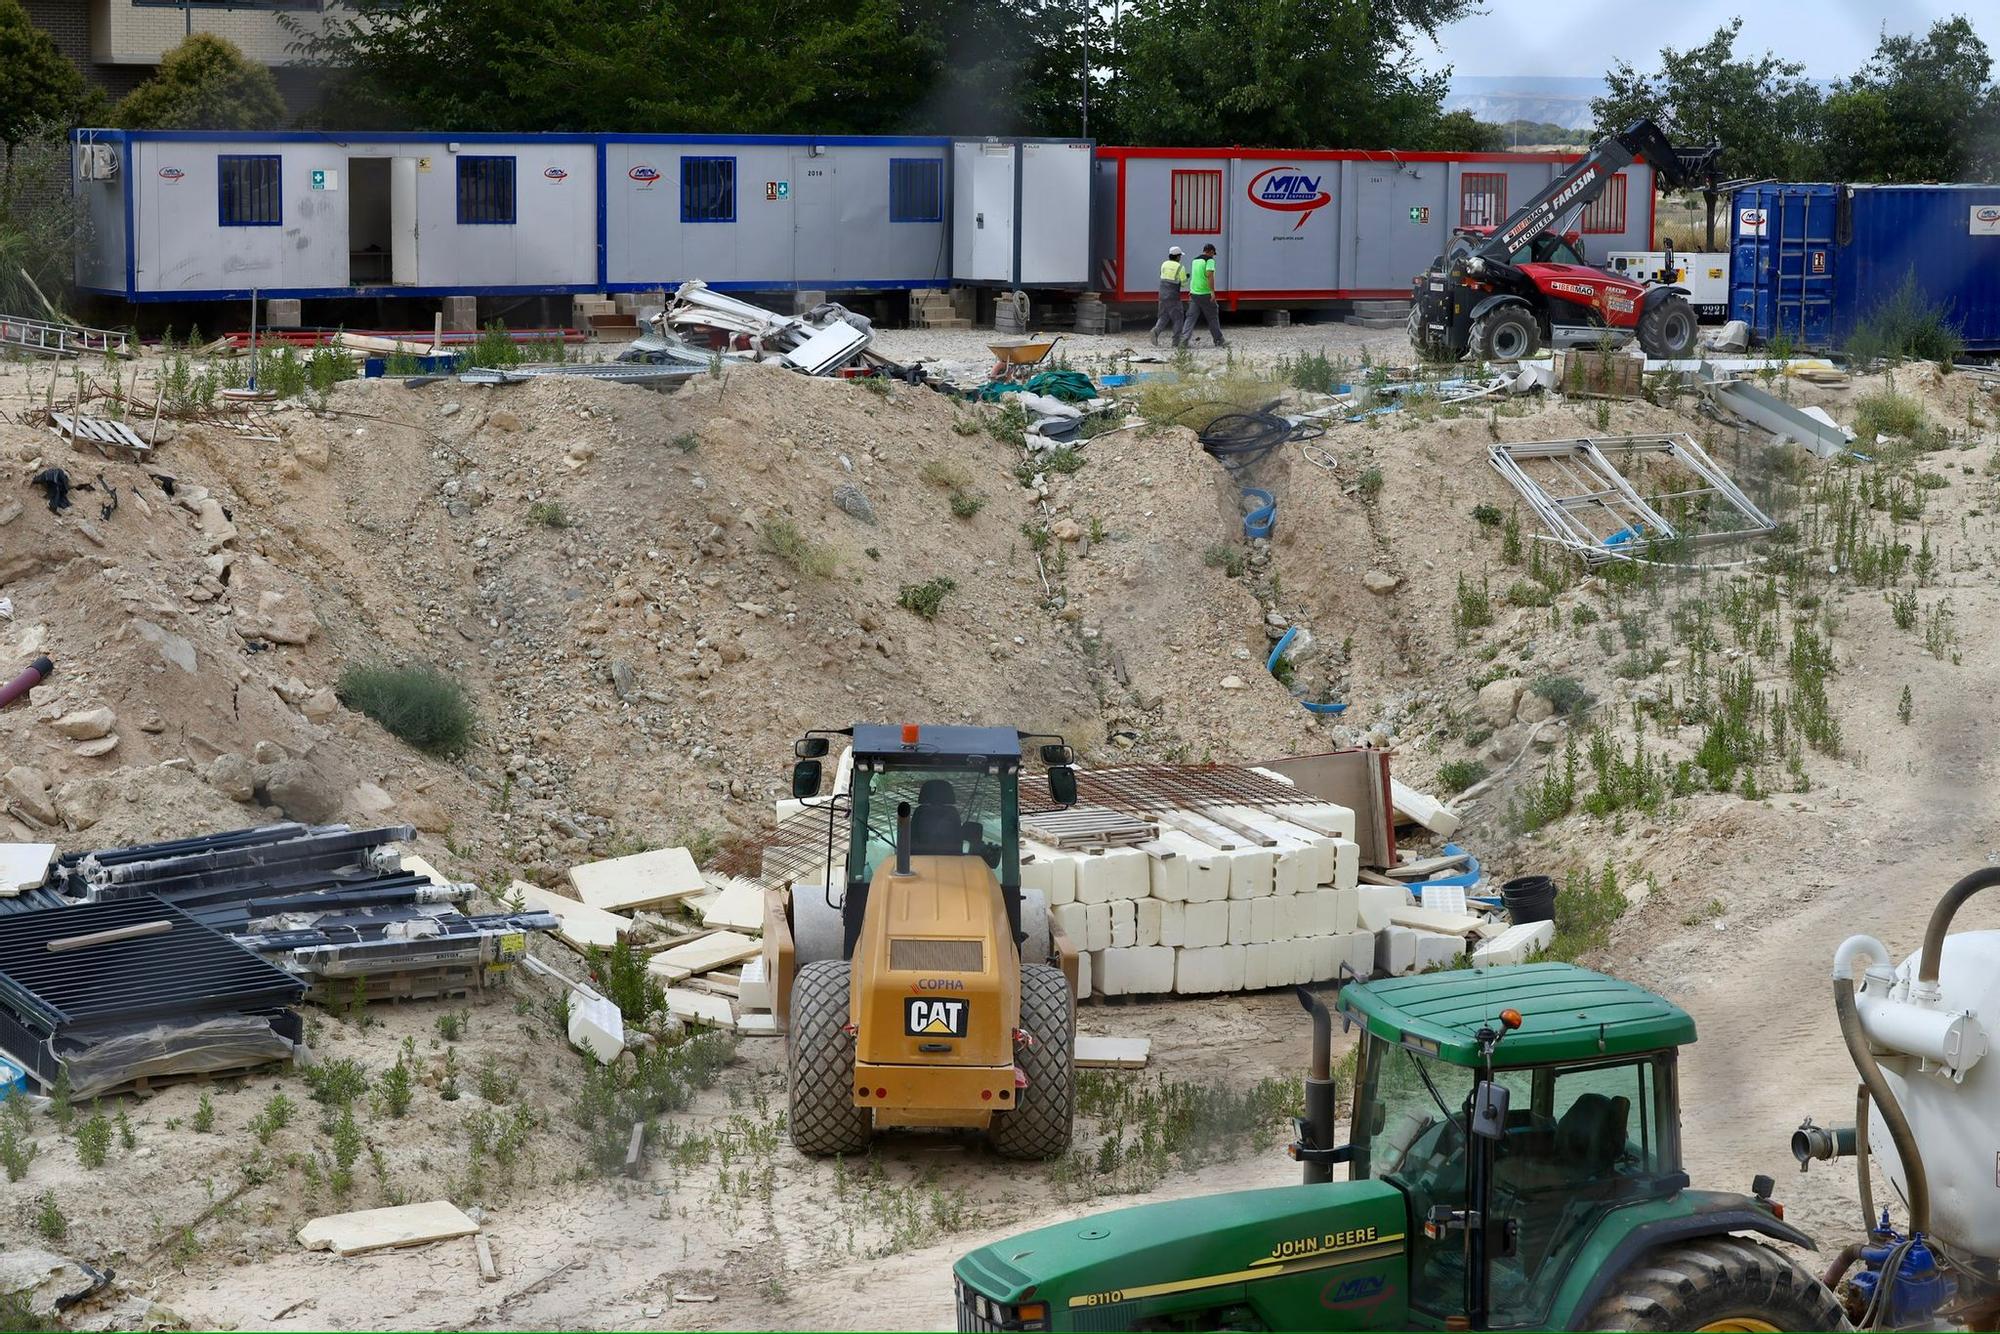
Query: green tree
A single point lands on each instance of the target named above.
(609, 65)
(1762, 110)
(1921, 109)
(205, 83)
(1010, 66)
(41, 87)
(1302, 73)
(1463, 132)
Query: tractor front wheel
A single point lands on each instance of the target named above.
(819, 1056)
(1668, 329)
(1717, 1283)
(1044, 1114)
(1506, 334)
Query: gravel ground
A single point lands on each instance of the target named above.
(1250, 341)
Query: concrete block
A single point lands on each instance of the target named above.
(1294, 915)
(1206, 925)
(1124, 923)
(1239, 922)
(1320, 815)
(717, 950)
(1116, 873)
(1346, 863)
(284, 313)
(1326, 952)
(1263, 921)
(1374, 903)
(1318, 907)
(1173, 922)
(1133, 971)
(1292, 869)
(1072, 918)
(1200, 874)
(375, 1229)
(1148, 926)
(1514, 945)
(1346, 910)
(1085, 980)
(579, 923)
(1439, 951)
(1256, 967)
(1395, 950)
(1359, 953)
(461, 314)
(596, 1026)
(1169, 877)
(1252, 873)
(1423, 808)
(1096, 926)
(805, 298)
(641, 880)
(753, 988)
(1049, 870)
(1205, 971)
(1317, 848)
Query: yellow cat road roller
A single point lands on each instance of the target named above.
(918, 984)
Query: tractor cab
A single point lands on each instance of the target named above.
(1515, 1113)
(1513, 1162)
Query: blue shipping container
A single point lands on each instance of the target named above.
(1810, 261)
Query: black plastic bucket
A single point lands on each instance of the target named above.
(1529, 898)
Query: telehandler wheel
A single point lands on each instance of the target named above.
(1041, 1122)
(1668, 329)
(1717, 1283)
(1506, 334)
(819, 1058)
(1421, 342)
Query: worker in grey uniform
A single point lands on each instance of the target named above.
(1173, 289)
(1201, 300)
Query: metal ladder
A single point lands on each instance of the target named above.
(60, 340)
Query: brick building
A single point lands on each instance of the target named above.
(118, 43)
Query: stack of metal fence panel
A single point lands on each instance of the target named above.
(329, 904)
(117, 993)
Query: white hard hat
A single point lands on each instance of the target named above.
(1173, 250)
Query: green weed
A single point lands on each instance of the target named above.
(419, 704)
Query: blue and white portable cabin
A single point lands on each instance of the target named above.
(190, 216)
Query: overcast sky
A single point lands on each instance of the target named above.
(1583, 37)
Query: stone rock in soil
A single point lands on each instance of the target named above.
(268, 752)
(297, 788)
(30, 790)
(321, 705)
(1497, 700)
(232, 776)
(81, 801)
(503, 421)
(1233, 683)
(1533, 708)
(847, 498)
(87, 724)
(623, 681)
(1066, 530)
(104, 745)
(1380, 582)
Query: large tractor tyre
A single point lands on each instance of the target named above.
(1668, 330)
(1035, 926)
(819, 1057)
(1717, 1283)
(1421, 342)
(1041, 1122)
(1506, 334)
(818, 934)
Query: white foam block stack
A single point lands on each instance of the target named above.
(1278, 904)
(1515, 944)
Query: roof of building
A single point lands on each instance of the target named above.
(1567, 1013)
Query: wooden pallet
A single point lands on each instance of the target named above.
(99, 429)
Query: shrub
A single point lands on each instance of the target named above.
(494, 347)
(965, 504)
(1370, 483)
(277, 1114)
(549, 514)
(1886, 412)
(337, 1082)
(924, 599)
(1457, 775)
(1527, 593)
(93, 1141)
(16, 1152)
(1224, 557)
(204, 1115)
(1564, 693)
(1906, 326)
(1062, 460)
(1585, 910)
(782, 538)
(49, 1218)
(1488, 516)
(1475, 604)
(418, 704)
(620, 973)
(396, 1088)
(1311, 371)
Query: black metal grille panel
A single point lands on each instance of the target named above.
(936, 956)
(189, 970)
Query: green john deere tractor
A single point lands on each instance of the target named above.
(1514, 1163)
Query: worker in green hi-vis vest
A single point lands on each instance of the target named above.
(1173, 291)
(1201, 299)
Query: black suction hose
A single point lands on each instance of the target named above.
(1867, 1189)
(1877, 1087)
(1984, 878)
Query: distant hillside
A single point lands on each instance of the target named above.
(1542, 99)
